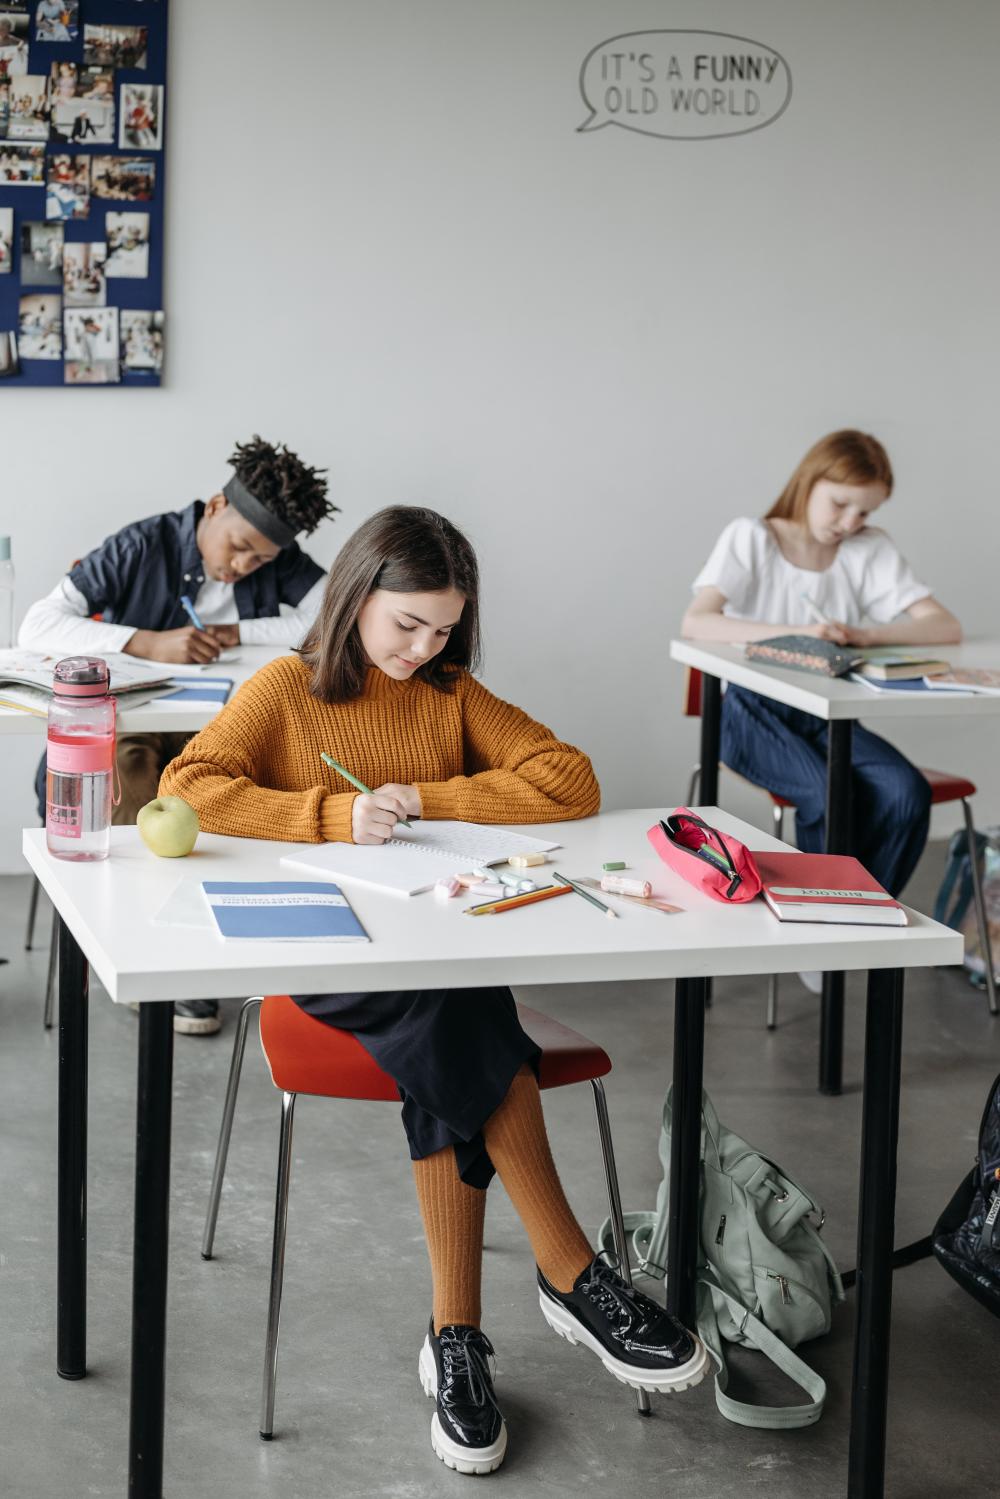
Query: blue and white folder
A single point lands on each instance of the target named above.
(282, 911)
(189, 690)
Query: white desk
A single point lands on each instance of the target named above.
(105, 914)
(835, 698)
(149, 717)
(839, 703)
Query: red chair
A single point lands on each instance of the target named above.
(307, 1056)
(944, 788)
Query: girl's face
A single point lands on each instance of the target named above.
(836, 511)
(402, 631)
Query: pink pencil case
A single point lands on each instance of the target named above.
(720, 865)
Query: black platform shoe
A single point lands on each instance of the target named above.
(634, 1338)
(468, 1432)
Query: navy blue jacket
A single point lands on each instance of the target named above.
(137, 576)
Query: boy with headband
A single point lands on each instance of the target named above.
(236, 558)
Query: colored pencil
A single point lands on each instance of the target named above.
(587, 896)
(341, 770)
(496, 907)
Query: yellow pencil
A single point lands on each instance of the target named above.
(496, 907)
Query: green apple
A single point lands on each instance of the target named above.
(168, 826)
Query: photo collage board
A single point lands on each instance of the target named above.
(83, 87)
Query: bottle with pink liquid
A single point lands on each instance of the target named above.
(80, 760)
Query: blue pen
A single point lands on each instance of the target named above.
(191, 612)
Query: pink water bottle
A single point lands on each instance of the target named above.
(80, 760)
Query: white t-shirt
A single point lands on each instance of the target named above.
(868, 578)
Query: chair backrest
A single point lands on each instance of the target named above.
(692, 693)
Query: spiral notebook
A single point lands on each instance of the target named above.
(415, 859)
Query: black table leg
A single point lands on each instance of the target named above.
(685, 1148)
(711, 723)
(877, 1205)
(838, 841)
(71, 1273)
(149, 1263)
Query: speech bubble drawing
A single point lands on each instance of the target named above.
(684, 85)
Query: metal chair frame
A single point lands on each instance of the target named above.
(251, 1006)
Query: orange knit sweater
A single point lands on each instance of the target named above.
(255, 770)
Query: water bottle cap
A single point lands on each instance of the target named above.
(81, 676)
(4, 548)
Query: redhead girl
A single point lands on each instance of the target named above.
(384, 684)
(818, 543)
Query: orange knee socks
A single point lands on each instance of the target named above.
(453, 1215)
(519, 1148)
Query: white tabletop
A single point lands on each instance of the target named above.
(835, 697)
(422, 942)
(150, 716)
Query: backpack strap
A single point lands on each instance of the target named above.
(742, 1412)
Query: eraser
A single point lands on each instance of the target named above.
(615, 864)
(526, 861)
(445, 889)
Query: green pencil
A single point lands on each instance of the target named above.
(366, 790)
(586, 895)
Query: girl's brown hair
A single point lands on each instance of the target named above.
(405, 549)
(844, 457)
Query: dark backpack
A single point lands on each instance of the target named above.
(966, 1237)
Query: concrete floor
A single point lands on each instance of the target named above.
(350, 1415)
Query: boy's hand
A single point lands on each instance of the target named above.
(409, 796)
(842, 634)
(224, 634)
(374, 818)
(178, 647)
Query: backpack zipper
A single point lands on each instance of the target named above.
(721, 1234)
(783, 1284)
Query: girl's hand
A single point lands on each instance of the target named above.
(409, 796)
(374, 818)
(854, 635)
(833, 630)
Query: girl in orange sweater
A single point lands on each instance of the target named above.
(383, 683)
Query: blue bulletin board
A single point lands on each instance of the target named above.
(82, 134)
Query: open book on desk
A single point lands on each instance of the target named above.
(33, 670)
(415, 859)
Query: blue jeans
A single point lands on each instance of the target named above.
(784, 750)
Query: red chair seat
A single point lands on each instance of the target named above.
(944, 788)
(947, 788)
(307, 1056)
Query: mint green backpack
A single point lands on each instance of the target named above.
(765, 1277)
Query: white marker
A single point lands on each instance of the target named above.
(816, 611)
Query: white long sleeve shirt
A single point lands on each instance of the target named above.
(60, 622)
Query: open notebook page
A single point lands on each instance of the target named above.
(417, 858)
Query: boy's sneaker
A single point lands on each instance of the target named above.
(468, 1432)
(196, 1017)
(631, 1334)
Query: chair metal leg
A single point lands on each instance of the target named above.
(277, 1265)
(615, 1204)
(229, 1108)
(693, 785)
(778, 817)
(50, 978)
(32, 913)
(981, 921)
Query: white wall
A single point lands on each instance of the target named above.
(389, 247)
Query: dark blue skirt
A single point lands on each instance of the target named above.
(452, 1053)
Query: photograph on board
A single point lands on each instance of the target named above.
(83, 275)
(68, 195)
(40, 326)
(115, 46)
(141, 125)
(142, 341)
(128, 244)
(92, 346)
(13, 42)
(83, 122)
(28, 119)
(8, 354)
(96, 83)
(57, 20)
(6, 240)
(127, 179)
(41, 254)
(64, 80)
(22, 166)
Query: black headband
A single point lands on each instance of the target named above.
(262, 519)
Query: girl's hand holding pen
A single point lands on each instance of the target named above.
(374, 817)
